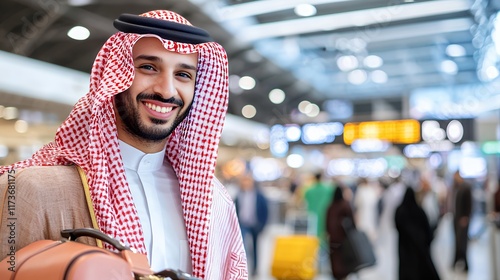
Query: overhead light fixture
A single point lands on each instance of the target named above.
(10, 113)
(449, 67)
(255, 8)
(79, 33)
(277, 96)
(378, 77)
(312, 110)
(295, 160)
(373, 61)
(347, 63)
(248, 111)
(455, 131)
(302, 106)
(247, 83)
(293, 133)
(455, 50)
(357, 77)
(491, 72)
(375, 16)
(21, 126)
(305, 10)
(79, 3)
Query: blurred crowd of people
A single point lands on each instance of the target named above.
(400, 213)
(409, 207)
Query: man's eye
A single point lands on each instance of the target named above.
(147, 67)
(185, 75)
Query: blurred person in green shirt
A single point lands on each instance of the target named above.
(318, 197)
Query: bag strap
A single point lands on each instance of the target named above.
(138, 262)
(90, 205)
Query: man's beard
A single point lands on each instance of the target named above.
(128, 112)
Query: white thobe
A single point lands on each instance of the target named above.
(155, 191)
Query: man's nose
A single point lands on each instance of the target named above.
(165, 86)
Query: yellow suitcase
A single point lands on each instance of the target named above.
(295, 257)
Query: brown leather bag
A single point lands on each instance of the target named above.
(69, 260)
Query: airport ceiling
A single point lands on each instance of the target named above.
(388, 47)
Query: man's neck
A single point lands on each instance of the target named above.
(148, 147)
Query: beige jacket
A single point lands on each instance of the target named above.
(38, 202)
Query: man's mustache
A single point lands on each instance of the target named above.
(156, 97)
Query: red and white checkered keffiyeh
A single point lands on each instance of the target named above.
(88, 138)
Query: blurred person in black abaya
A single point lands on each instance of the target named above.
(462, 209)
(338, 210)
(496, 200)
(415, 237)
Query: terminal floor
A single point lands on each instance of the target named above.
(480, 255)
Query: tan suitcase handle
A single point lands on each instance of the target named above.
(73, 234)
(138, 262)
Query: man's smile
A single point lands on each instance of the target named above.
(158, 108)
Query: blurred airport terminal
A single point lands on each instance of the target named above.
(375, 96)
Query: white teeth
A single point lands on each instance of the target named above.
(159, 109)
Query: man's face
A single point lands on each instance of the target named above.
(161, 93)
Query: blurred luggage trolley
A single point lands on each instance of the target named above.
(296, 253)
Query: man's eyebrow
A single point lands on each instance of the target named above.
(147, 57)
(188, 66)
(158, 59)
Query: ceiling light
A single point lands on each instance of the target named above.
(305, 10)
(293, 133)
(373, 61)
(247, 83)
(455, 131)
(312, 110)
(277, 96)
(79, 3)
(449, 67)
(379, 77)
(303, 105)
(295, 161)
(21, 126)
(432, 132)
(357, 77)
(347, 62)
(376, 16)
(455, 50)
(10, 113)
(79, 33)
(248, 111)
(491, 73)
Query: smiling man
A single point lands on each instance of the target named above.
(136, 156)
(159, 98)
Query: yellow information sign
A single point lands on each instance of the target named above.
(394, 131)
